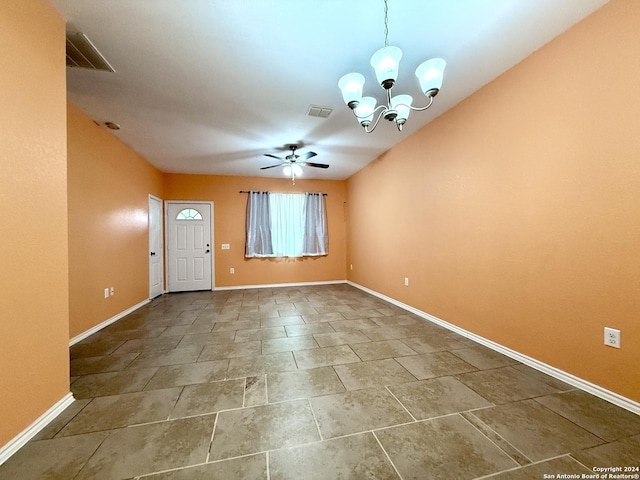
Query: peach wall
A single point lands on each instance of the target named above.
(229, 227)
(109, 185)
(515, 215)
(33, 214)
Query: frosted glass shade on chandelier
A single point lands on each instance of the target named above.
(386, 63)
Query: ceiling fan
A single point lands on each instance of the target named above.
(292, 164)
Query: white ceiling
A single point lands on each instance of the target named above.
(209, 86)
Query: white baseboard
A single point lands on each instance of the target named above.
(106, 323)
(32, 430)
(278, 285)
(577, 382)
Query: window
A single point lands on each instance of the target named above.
(286, 225)
(189, 214)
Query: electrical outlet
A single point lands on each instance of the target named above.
(106, 292)
(112, 291)
(225, 246)
(406, 281)
(232, 270)
(612, 337)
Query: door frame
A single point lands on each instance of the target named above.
(161, 253)
(166, 240)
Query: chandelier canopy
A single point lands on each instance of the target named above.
(385, 63)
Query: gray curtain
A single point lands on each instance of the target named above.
(258, 243)
(316, 237)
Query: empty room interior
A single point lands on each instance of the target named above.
(470, 311)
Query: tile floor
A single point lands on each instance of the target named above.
(322, 382)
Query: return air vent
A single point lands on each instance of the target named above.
(81, 53)
(318, 111)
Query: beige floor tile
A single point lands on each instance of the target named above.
(375, 373)
(252, 467)
(60, 421)
(503, 385)
(323, 357)
(209, 398)
(554, 383)
(598, 416)
(396, 320)
(303, 384)
(535, 430)
(349, 458)
(255, 391)
(561, 465)
(500, 442)
(266, 427)
(246, 324)
(300, 330)
(530, 432)
(429, 329)
(291, 319)
(150, 448)
(145, 344)
(288, 344)
(353, 325)
(434, 343)
(90, 348)
(129, 334)
(112, 383)
(436, 397)
(357, 411)
(383, 349)
(340, 338)
(188, 374)
(334, 309)
(442, 448)
(483, 358)
(198, 340)
(230, 350)
(259, 334)
(109, 363)
(379, 334)
(625, 452)
(361, 313)
(163, 358)
(436, 364)
(323, 317)
(115, 411)
(261, 364)
(195, 328)
(58, 458)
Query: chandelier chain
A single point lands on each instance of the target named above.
(386, 24)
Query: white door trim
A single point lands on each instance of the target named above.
(160, 253)
(166, 233)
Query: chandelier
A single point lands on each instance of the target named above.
(385, 63)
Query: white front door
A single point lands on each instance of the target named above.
(156, 267)
(189, 246)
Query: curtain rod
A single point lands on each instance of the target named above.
(249, 191)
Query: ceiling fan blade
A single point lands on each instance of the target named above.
(273, 156)
(272, 166)
(317, 165)
(308, 155)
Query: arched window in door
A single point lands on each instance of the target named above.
(189, 214)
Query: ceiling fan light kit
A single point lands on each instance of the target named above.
(292, 164)
(385, 63)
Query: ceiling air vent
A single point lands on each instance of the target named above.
(318, 111)
(82, 53)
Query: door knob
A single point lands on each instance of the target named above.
(207, 251)
(153, 254)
